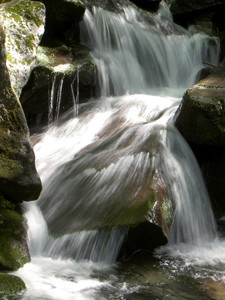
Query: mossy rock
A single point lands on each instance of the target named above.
(19, 180)
(23, 23)
(13, 247)
(10, 284)
(201, 116)
(65, 69)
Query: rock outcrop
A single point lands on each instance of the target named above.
(64, 78)
(19, 180)
(13, 247)
(23, 23)
(201, 120)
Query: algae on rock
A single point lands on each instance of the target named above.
(23, 23)
(10, 284)
(13, 247)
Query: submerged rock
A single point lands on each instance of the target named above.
(19, 180)
(10, 284)
(23, 23)
(13, 247)
(78, 195)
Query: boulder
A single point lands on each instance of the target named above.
(201, 120)
(23, 23)
(77, 195)
(13, 247)
(10, 284)
(19, 180)
(63, 78)
(201, 117)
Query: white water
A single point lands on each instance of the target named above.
(144, 67)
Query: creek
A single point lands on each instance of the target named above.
(89, 162)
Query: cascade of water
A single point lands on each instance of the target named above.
(92, 165)
(193, 221)
(135, 56)
(51, 101)
(55, 98)
(59, 98)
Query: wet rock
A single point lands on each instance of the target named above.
(13, 247)
(10, 284)
(64, 77)
(76, 197)
(19, 180)
(23, 24)
(201, 119)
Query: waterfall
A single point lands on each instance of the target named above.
(138, 56)
(95, 165)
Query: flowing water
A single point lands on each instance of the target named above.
(114, 146)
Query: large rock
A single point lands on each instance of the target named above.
(201, 119)
(23, 23)
(13, 247)
(78, 195)
(10, 284)
(62, 18)
(18, 177)
(64, 77)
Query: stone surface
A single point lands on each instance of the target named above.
(23, 23)
(13, 247)
(10, 284)
(18, 177)
(201, 119)
(65, 76)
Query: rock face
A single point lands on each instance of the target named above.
(13, 248)
(65, 77)
(23, 23)
(18, 177)
(10, 284)
(201, 118)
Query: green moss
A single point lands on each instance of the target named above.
(13, 248)
(23, 23)
(10, 284)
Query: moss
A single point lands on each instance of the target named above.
(10, 284)
(13, 248)
(23, 23)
